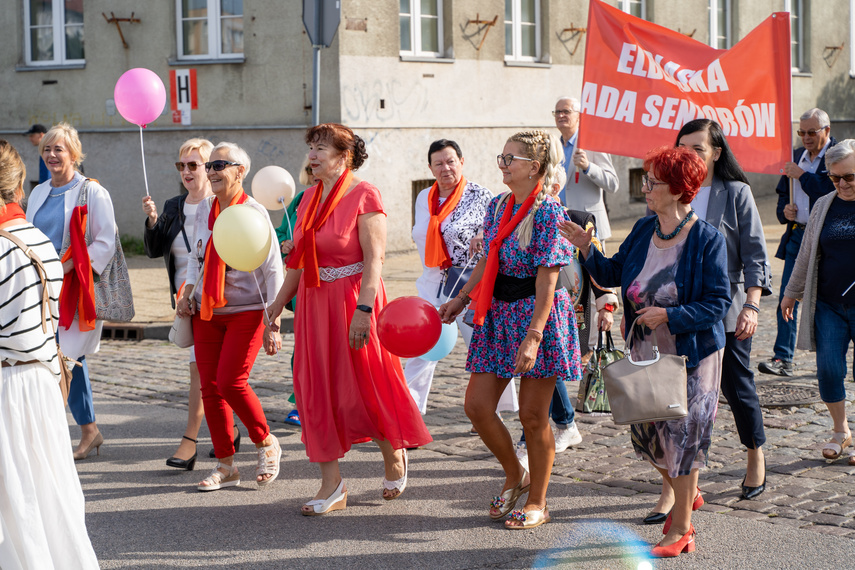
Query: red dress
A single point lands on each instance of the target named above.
(346, 396)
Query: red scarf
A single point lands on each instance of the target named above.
(214, 278)
(78, 287)
(12, 211)
(305, 253)
(483, 292)
(436, 252)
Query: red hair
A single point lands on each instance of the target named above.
(681, 168)
(342, 139)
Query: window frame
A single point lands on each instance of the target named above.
(516, 33)
(215, 35)
(797, 11)
(415, 16)
(715, 32)
(58, 26)
(626, 7)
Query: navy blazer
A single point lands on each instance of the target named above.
(703, 289)
(816, 185)
(158, 240)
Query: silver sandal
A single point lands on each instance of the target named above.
(268, 462)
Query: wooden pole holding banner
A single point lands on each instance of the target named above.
(792, 141)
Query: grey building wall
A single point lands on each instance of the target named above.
(399, 105)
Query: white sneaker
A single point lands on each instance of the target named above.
(522, 454)
(567, 437)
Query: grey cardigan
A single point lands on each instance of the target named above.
(731, 210)
(807, 265)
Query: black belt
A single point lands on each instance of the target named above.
(797, 226)
(509, 289)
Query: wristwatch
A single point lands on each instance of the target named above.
(365, 309)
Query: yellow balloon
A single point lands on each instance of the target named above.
(242, 237)
(273, 187)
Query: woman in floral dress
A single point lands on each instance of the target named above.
(673, 272)
(524, 325)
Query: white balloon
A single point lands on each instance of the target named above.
(273, 187)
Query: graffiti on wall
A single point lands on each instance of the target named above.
(384, 100)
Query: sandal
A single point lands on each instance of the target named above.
(218, 480)
(293, 418)
(852, 457)
(268, 462)
(834, 448)
(398, 485)
(530, 519)
(335, 502)
(506, 502)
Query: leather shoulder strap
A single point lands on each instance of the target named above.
(40, 271)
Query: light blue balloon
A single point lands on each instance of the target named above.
(445, 344)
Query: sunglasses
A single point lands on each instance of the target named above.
(812, 132)
(850, 178)
(191, 166)
(507, 159)
(219, 165)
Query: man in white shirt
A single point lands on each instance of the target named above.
(810, 182)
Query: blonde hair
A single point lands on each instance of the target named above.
(306, 177)
(12, 174)
(66, 133)
(204, 146)
(545, 149)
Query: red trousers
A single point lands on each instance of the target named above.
(226, 347)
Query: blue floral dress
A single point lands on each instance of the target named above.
(677, 445)
(494, 344)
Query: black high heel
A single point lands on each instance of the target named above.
(752, 492)
(212, 454)
(187, 464)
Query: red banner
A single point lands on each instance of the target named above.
(642, 82)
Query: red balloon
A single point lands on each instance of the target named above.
(408, 326)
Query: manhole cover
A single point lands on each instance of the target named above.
(774, 394)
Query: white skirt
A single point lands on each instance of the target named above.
(42, 521)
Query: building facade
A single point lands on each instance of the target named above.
(401, 74)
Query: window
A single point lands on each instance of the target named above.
(421, 27)
(798, 23)
(54, 32)
(721, 24)
(522, 30)
(637, 8)
(210, 29)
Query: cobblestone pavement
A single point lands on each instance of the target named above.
(803, 490)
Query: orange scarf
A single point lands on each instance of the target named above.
(436, 252)
(305, 253)
(483, 292)
(214, 278)
(78, 286)
(12, 211)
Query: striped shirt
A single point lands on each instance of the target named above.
(21, 334)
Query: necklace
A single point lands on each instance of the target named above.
(676, 230)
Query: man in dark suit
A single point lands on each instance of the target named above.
(810, 181)
(35, 135)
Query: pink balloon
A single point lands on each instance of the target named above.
(140, 96)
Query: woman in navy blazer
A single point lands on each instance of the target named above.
(672, 269)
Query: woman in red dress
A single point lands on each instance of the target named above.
(349, 389)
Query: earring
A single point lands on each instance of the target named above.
(529, 177)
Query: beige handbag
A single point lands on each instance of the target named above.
(181, 332)
(648, 390)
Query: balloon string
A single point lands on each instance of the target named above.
(142, 150)
(263, 304)
(468, 261)
(288, 218)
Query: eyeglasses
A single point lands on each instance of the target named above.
(192, 166)
(219, 165)
(562, 112)
(507, 159)
(646, 181)
(850, 178)
(812, 132)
